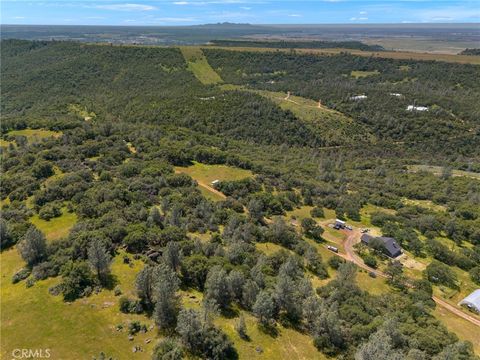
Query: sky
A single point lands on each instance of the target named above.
(192, 12)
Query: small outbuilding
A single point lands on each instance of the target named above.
(339, 224)
(472, 301)
(416, 108)
(390, 246)
(358, 97)
(215, 182)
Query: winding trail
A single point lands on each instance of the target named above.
(353, 237)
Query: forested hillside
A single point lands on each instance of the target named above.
(105, 197)
(451, 91)
(299, 44)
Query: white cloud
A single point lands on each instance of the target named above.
(181, 3)
(18, 17)
(294, 15)
(358, 18)
(245, 8)
(127, 7)
(449, 14)
(363, 13)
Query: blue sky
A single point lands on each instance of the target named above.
(190, 12)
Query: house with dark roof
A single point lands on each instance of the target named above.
(389, 248)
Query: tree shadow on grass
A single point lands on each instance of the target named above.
(110, 282)
(288, 323)
(269, 329)
(230, 313)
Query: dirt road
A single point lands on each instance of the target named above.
(353, 237)
(211, 189)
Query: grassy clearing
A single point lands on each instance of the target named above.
(466, 286)
(334, 127)
(4, 202)
(5, 143)
(270, 248)
(32, 318)
(404, 55)
(55, 228)
(57, 174)
(438, 170)
(35, 135)
(426, 204)
(131, 148)
(207, 173)
(374, 286)
(465, 330)
(210, 195)
(361, 74)
(300, 213)
(365, 218)
(199, 66)
(204, 174)
(82, 111)
(289, 344)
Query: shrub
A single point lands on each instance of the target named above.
(128, 306)
(317, 212)
(77, 280)
(370, 260)
(335, 262)
(30, 282)
(50, 211)
(439, 273)
(43, 271)
(134, 327)
(168, 349)
(475, 275)
(20, 275)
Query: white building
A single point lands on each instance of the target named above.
(396, 94)
(472, 301)
(215, 182)
(416, 108)
(358, 97)
(339, 224)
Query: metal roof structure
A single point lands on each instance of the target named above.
(472, 300)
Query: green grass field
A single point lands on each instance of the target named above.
(32, 318)
(207, 173)
(437, 170)
(426, 204)
(5, 143)
(81, 111)
(465, 330)
(361, 74)
(55, 228)
(198, 64)
(35, 135)
(288, 344)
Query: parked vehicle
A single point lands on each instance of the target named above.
(332, 248)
